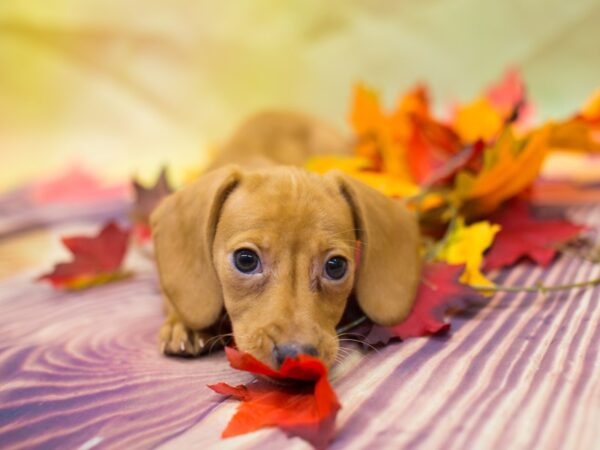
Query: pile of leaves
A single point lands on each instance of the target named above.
(467, 179)
(459, 174)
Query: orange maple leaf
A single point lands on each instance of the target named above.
(510, 166)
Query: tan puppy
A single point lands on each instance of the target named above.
(275, 247)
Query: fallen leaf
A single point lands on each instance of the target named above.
(576, 135)
(509, 167)
(591, 108)
(439, 292)
(508, 96)
(145, 201)
(430, 145)
(360, 168)
(478, 120)
(469, 157)
(148, 198)
(96, 260)
(76, 186)
(307, 409)
(347, 164)
(465, 245)
(524, 236)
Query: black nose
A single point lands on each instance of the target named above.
(291, 350)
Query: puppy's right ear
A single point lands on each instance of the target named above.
(183, 230)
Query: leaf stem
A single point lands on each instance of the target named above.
(540, 287)
(351, 325)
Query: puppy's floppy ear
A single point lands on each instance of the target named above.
(389, 270)
(183, 229)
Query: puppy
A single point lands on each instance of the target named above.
(276, 247)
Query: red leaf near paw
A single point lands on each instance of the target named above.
(440, 290)
(524, 236)
(96, 260)
(307, 409)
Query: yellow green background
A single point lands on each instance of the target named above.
(123, 86)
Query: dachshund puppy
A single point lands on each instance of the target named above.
(275, 246)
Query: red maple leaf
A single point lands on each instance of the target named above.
(429, 146)
(438, 292)
(524, 236)
(307, 409)
(96, 259)
(509, 96)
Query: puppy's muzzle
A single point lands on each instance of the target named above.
(291, 350)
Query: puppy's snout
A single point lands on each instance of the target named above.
(291, 350)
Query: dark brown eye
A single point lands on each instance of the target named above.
(245, 260)
(336, 267)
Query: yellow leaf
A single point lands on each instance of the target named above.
(358, 167)
(322, 164)
(477, 120)
(465, 245)
(387, 184)
(87, 281)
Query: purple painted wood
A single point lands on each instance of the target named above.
(82, 370)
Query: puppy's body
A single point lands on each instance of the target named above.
(279, 138)
(303, 230)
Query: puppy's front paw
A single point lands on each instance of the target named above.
(176, 339)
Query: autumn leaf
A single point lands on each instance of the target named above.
(347, 164)
(407, 143)
(478, 120)
(430, 145)
(439, 292)
(524, 236)
(575, 135)
(510, 166)
(76, 186)
(365, 114)
(146, 199)
(468, 157)
(306, 409)
(96, 260)
(379, 135)
(360, 168)
(591, 108)
(465, 244)
(508, 96)
(508, 92)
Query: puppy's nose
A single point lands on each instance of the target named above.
(291, 350)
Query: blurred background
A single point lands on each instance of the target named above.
(122, 87)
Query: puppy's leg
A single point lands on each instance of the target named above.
(177, 339)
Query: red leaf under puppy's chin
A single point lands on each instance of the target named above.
(304, 405)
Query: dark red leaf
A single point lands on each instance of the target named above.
(438, 292)
(306, 409)
(525, 236)
(96, 259)
(469, 157)
(147, 198)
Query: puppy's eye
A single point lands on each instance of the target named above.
(245, 260)
(335, 268)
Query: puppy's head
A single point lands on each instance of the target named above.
(277, 249)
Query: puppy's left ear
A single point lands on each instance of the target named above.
(389, 270)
